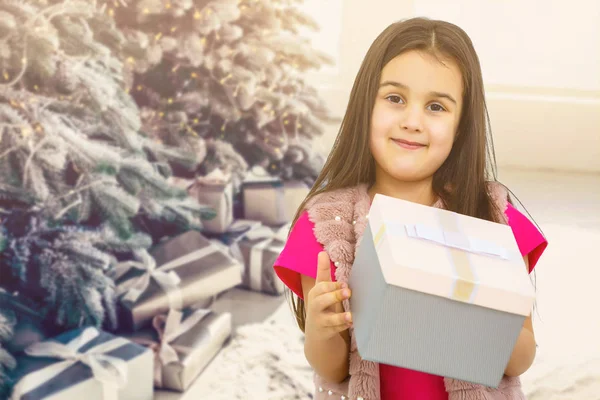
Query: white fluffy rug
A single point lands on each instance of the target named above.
(263, 361)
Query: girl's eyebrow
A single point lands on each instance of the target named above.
(403, 86)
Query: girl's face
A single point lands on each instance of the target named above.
(415, 116)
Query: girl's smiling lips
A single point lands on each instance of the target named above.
(407, 144)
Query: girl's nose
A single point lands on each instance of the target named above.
(412, 120)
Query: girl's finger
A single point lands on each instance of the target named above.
(325, 287)
(329, 299)
(333, 320)
(323, 268)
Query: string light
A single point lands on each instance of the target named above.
(158, 36)
(111, 12)
(146, 11)
(222, 81)
(168, 5)
(197, 15)
(194, 75)
(139, 88)
(173, 29)
(6, 76)
(130, 60)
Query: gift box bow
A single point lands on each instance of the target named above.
(167, 279)
(169, 327)
(252, 231)
(112, 379)
(132, 289)
(215, 177)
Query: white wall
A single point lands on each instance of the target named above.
(540, 61)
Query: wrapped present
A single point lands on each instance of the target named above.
(179, 272)
(257, 247)
(184, 343)
(271, 201)
(216, 191)
(84, 364)
(438, 292)
(294, 194)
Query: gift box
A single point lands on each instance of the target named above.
(257, 248)
(294, 194)
(184, 343)
(438, 292)
(216, 191)
(177, 273)
(84, 364)
(271, 201)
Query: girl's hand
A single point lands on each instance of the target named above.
(325, 316)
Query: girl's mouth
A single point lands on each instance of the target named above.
(406, 144)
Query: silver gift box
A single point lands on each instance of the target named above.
(51, 373)
(438, 292)
(188, 269)
(193, 338)
(272, 201)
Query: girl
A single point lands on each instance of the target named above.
(415, 129)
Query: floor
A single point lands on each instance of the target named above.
(560, 202)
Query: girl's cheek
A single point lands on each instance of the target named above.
(383, 121)
(441, 130)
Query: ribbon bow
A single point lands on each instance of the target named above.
(215, 177)
(169, 327)
(250, 230)
(112, 379)
(133, 288)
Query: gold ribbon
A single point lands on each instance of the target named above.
(464, 276)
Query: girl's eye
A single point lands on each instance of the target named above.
(436, 107)
(394, 98)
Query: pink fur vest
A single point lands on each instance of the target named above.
(340, 220)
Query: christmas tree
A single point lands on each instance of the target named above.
(82, 186)
(212, 73)
(7, 361)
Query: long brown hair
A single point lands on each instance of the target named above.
(461, 181)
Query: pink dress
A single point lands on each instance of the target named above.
(300, 257)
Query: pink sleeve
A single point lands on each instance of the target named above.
(299, 256)
(529, 238)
